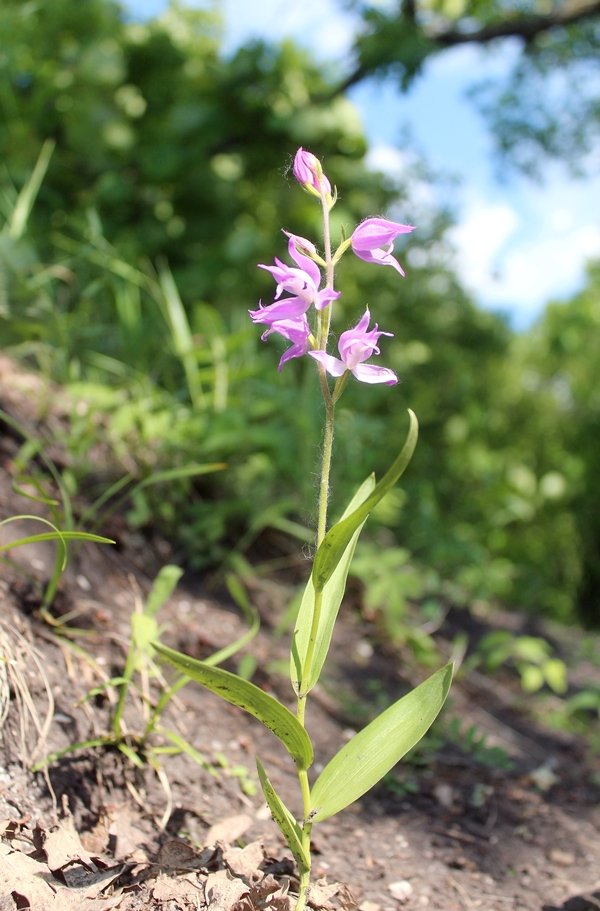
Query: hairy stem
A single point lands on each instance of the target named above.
(304, 874)
(323, 325)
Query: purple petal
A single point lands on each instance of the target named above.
(369, 373)
(381, 257)
(289, 308)
(292, 280)
(377, 232)
(295, 330)
(305, 245)
(332, 365)
(361, 327)
(358, 344)
(325, 297)
(306, 264)
(305, 170)
(304, 166)
(295, 351)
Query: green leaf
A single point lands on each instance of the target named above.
(162, 589)
(175, 474)
(337, 538)
(106, 741)
(132, 756)
(532, 678)
(183, 746)
(330, 605)
(288, 826)
(32, 482)
(251, 616)
(378, 747)
(54, 536)
(144, 630)
(249, 697)
(181, 334)
(17, 222)
(555, 672)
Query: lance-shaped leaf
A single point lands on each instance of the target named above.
(337, 538)
(57, 536)
(288, 826)
(331, 599)
(378, 747)
(249, 697)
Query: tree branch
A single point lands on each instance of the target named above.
(526, 27)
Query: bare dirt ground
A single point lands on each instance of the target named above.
(455, 830)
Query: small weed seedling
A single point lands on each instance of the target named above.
(530, 655)
(140, 672)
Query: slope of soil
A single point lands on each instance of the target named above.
(456, 832)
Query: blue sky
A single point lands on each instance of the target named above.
(517, 243)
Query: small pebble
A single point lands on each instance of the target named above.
(562, 858)
(83, 583)
(444, 794)
(401, 890)
(263, 812)
(544, 778)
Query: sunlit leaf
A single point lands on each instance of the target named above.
(17, 223)
(162, 588)
(249, 697)
(288, 826)
(330, 605)
(143, 630)
(337, 538)
(56, 535)
(379, 746)
(175, 474)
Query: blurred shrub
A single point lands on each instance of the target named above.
(530, 655)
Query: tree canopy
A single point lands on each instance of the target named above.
(549, 103)
(170, 156)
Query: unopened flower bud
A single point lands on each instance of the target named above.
(308, 172)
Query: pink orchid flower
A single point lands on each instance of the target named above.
(294, 330)
(371, 238)
(355, 346)
(303, 282)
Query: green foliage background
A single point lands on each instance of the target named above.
(170, 157)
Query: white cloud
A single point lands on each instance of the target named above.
(400, 165)
(550, 265)
(318, 24)
(517, 257)
(479, 239)
(387, 159)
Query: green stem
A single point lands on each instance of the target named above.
(322, 332)
(324, 324)
(128, 675)
(165, 697)
(306, 831)
(325, 468)
(304, 874)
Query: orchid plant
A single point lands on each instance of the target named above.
(303, 317)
